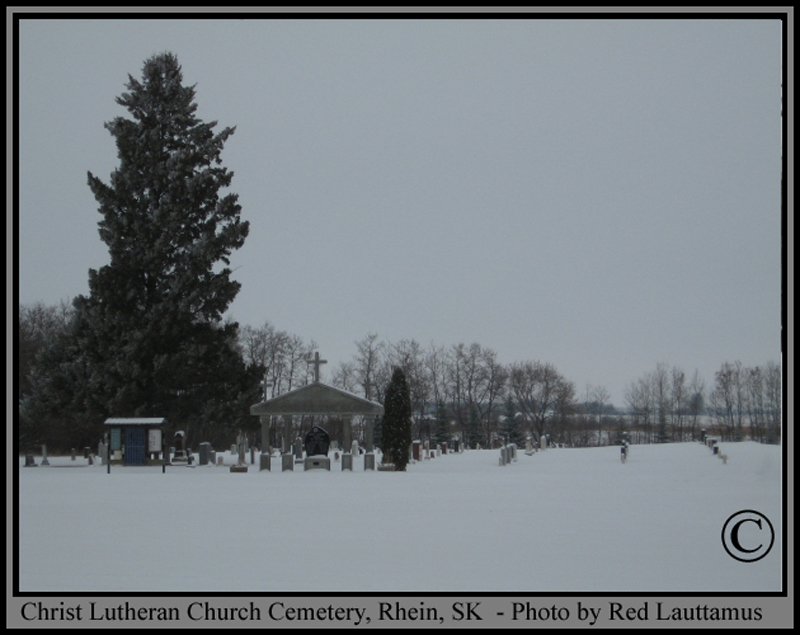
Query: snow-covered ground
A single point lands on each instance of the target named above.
(563, 520)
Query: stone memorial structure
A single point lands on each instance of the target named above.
(319, 399)
(180, 455)
(316, 445)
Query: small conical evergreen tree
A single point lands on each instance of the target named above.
(473, 431)
(512, 427)
(396, 426)
(441, 433)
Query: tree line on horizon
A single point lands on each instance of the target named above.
(460, 391)
(151, 337)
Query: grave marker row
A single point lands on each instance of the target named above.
(508, 453)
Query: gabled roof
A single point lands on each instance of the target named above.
(317, 399)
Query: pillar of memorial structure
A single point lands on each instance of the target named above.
(347, 426)
(287, 434)
(369, 456)
(265, 421)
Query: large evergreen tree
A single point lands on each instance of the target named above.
(149, 337)
(396, 425)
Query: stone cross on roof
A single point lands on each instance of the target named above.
(267, 386)
(317, 362)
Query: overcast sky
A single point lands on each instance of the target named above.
(599, 194)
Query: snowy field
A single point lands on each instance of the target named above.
(563, 520)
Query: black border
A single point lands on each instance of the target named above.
(477, 14)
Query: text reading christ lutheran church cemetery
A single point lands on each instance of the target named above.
(278, 611)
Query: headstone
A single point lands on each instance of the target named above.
(220, 461)
(241, 464)
(317, 442)
(44, 455)
(369, 461)
(91, 459)
(444, 448)
(416, 448)
(29, 461)
(354, 448)
(233, 448)
(317, 462)
(298, 450)
(528, 447)
(180, 448)
(205, 452)
(543, 442)
(265, 462)
(73, 454)
(252, 455)
(456, 446)
(347, 462)
(86, 452)
(623, 454)
(101, 450)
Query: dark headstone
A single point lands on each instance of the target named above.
(29, 461)
(317, 442)
(205, 453)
